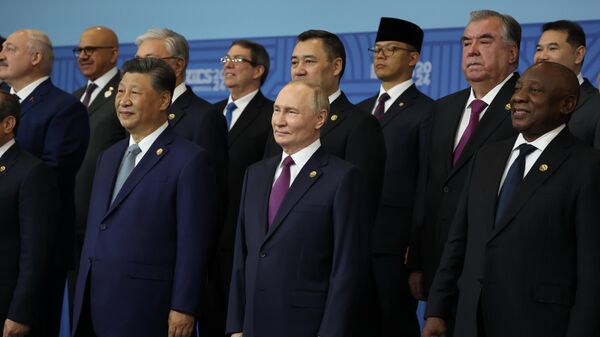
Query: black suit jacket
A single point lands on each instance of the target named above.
(406, 129)
(585, 120)
(534, 273)
(353, 135)
(29, 204)
(442, 182)
(105, 130)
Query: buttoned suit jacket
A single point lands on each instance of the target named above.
(54, 127)
(535, 272)
(147, 252)
(105, 130)
(29, 201)
(406, 129)
(585, 120)
(442, 182)
(302, 277)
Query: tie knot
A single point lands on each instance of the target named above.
(288, 161)
(91, 87)
(231, 106)
(526, 149)
(384, 97)
(133, 149)
(477, 106)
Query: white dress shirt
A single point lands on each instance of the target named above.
(28, 89)
(394, 93)
(6, 146)
(147, 141)
(300, 158)
(101, 82)
(241, 104)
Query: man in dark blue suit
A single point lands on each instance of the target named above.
(301, 252)
(151, 220)
(3, 85)
(29, 209)
(54, 127)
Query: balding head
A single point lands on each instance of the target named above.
(27, 56)
(97, 52)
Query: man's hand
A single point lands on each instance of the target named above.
(415, 284)
(434, 327)
(14, 329)
(237, 334)
(180, 324)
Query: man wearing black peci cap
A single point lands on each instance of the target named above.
(404, 115)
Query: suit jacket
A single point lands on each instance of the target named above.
(300, 278)
(406, 127)
(29, 207)
(535, 273)
(355, 136)
(247, 139)
(441, 183)
(54, 127)
(105, 130)
(585, 120)
(4, 87)
(147, 252)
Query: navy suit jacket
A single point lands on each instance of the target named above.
(147, 252)
(585, 120)
(54, 127)
(301, 278)
(28, 209)
(536, 271)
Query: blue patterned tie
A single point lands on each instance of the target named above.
(127, 165)
(229, 112)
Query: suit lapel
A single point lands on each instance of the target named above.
(450, 117)
(553, 156)
(586, 91)
(179, 107)
(301, 184)
(338, 111)
(105, 94)
(35, 97)
(8, 160)
(402, 103)
(252, 110)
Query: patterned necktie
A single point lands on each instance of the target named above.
(379, 112)
(477, 107)
(88, 94)
(127, 165)
(513, 180)
(280, 188)
(229, 113)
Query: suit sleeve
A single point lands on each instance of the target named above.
(350, 255)
(38, 210)
(196, 222)
(237, 291)
(583, 318)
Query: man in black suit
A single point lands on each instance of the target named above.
(29, 206)
(3, 86)
(404, 114)
(248, 115)
(522, 257)
(97, 59)
(462, 123)
(319, 58)
(564, 42)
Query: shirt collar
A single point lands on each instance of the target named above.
(147, 141)
(489, 97)
(6, 146)
(301, 157)
(396, 90)
(335, 95)
(28, 89)
(541, 142)
(580, 78)
(242, 102)
(179, 90)
(103, 80)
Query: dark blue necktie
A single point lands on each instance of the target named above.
(513, 180)
(229, 113)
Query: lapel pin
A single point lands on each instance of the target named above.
(401, 104)
(507, 106)
(312, 174)
(171, 116)
(108, 92)
(543, 168)
(159, 151)
(2, 168)
(334, 117)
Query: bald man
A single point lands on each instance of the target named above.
(97, 59)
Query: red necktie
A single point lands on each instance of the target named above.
(477, 107)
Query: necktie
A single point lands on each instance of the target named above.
(280, 188)
(379, 112)
(127, 165)
(513, 180)
(88, 93)
(477, 107)
(229, 112)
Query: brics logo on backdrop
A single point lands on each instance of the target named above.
(205, 79)
(421, 74)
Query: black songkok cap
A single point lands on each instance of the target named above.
(391, 29)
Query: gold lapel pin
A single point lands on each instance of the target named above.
(507, 106)
(334, 117)
(312, 174)
(401, 104)
(108, 92)
(543, 168)
(171, 116)
(2, 168)
(159, 151)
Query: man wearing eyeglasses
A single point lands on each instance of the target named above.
(97, 59)
(404, 114)
(54, 127)
(248, 114)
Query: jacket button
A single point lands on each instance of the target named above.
(446, 189)
(102, 227)
(263, 254)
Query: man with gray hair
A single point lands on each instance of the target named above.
(54, 127)
(462, 123)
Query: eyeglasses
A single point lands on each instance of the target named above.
(88, 51)
(388, 51)
(235, 59)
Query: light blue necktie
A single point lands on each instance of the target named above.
(127, 165)
(229, 112)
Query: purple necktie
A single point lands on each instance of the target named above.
(477, 107)
(280, 188)
(380, 108)
(88, 94)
